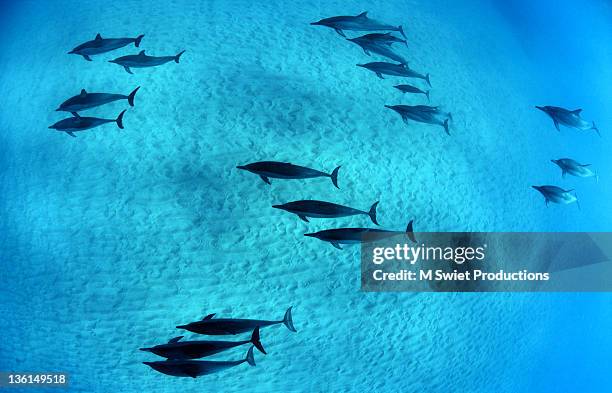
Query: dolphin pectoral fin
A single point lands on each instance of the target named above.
(340, 32)
(336, 245)
(71, 134)
(405, 119)
(127, 69)
(303, 218)
(264, 178)
(556, 125)
(546, 201)
(191, 373)
(86, 57)
(367, 52)
(378, 74)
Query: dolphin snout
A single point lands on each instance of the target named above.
(277, 206)
(315, 23)
(539, 107)
(536, 187)
(145, 349)
(310, 234)
(240, 167)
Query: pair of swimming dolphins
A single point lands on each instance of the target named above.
(141, 60)
(321, 209)
(84, 101)
(180, 355)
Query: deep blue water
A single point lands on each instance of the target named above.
(111, 239)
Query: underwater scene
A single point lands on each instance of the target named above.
(162, 161)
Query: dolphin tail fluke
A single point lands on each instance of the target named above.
(446, 126)
(137, 40)
(427, 80)
(410, 231)
(334, 177)
(288, 320)
(372, 213)
(132, 95)
(256, 342)
(250, 359)
(596, 129)
(178, 57)
(401, 30)
(120, 119)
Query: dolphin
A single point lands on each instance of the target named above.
(411, 89)
(78, 123)
(378, 48)
(422, 114)
(197, 368)
(357, 235)
(381, 67)
(286, 170)
(141, 60)
(575, 168)
(223, 326)
(87, 100)
(359, 22)
(379, 38)
(321, 209)
(568, 118)
(101, 45)
(176, 349)
(556, 195)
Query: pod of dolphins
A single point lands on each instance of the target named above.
(86, 100)
(570, 119)
(181, 354)
(381, 44)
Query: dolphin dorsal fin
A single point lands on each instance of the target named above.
(141, 53)
(98, 37)
(577, 111)
(175, 339)
(363, 15)
(209, 316)
(83, 93)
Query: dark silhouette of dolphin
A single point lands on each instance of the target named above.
(575, 168)
(359, 22)
(87, 100)
(286, 170)
(141, 60)
(557, 195)
(321, 209)
(224, 326)
(102, 45)
(381, 68)
(358, 235)
(197, 368)
(381, 49)
(380, 38)
(176, 349)
(422, 114)
(568, 118)
(411, 89)
(78, 123)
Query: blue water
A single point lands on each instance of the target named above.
(110, 239)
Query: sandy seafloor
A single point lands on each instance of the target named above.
(110, 239)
